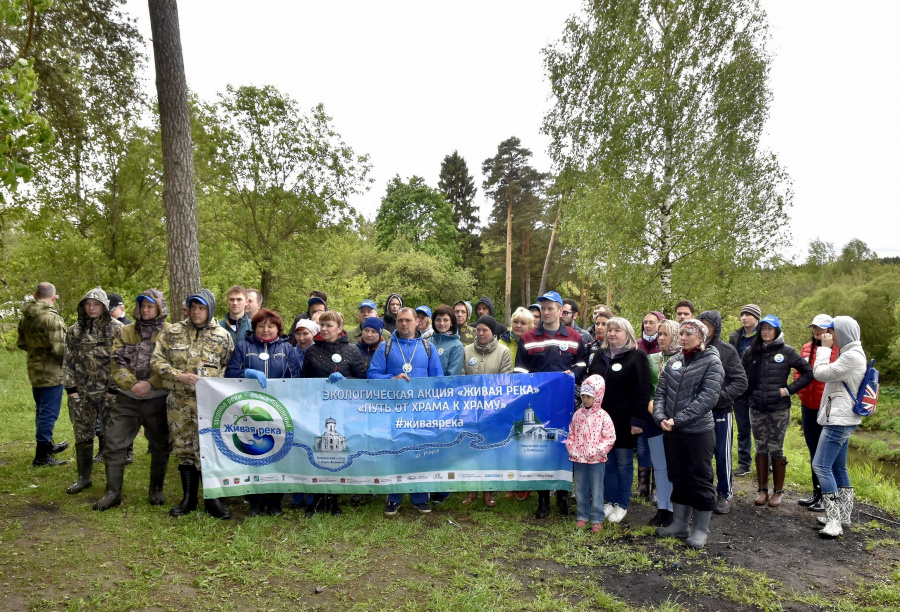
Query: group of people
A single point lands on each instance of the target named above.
(668, 395)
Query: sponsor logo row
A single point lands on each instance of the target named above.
(388, 480)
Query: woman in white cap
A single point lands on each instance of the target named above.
(810, 398)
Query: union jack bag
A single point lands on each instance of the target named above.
(866, 398)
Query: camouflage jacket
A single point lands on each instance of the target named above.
(132, 350)
(42, 333)
(88, 348)
(184, 348)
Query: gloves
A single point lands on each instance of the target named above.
(259, 376)
(334, 377)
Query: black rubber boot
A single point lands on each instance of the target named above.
(98, 458)
(815, 498)
(129, 454)
(543, 509)
(115, 475)
(333, 505)
(216, 509)
(257, 503)
(317, 505)
(43, 456)
(84, 459)
(562, 502)
(190, 482)
(58, 448)
(273, 504)
(159, 463)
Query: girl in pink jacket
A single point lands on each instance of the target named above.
(591, 436)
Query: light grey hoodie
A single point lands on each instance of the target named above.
(849, 368)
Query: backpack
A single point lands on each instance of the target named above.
(866, 398)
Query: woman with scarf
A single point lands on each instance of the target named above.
(262, 354)
(768, 362)
(627, 374)
(446, 341)
(686, 394)
(141, 401)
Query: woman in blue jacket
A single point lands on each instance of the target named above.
(446, 341)
(264, 353)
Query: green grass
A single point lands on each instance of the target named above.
(56, 553)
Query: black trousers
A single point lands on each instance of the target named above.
(689, 461)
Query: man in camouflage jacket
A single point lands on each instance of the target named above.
(141, 401)
(42, 334)
(86, 378)
(185, 352)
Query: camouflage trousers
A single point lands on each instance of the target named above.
(84, 411)
(769, 429)
(125, 420)
(181, 410)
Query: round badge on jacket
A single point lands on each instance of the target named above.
(473, 361)
(616, 367)
(440, 351)
(779, 358)
(676, 366)
(563, 346)
(264, 356)
(407, 367)
(337, 358)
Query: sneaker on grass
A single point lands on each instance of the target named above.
(390, 509)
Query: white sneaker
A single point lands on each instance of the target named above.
(607, 510)
(617, 514)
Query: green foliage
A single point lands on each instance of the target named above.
(659, 108)
(418, 217)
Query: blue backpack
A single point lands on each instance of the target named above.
(866, 398)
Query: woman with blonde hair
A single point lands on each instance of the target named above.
(520, 323)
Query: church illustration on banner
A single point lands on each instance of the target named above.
(330, 441)
(530, 428)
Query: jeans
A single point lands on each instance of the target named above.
(619, 476)
(415, 498)
(47, 401)
(745, 437)
(724, 440)
(660, 473)
(811, 432)
(830, 462)
(643, 452)
(589, 491)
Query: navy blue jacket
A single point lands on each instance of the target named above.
(283, 361)
(540, 352)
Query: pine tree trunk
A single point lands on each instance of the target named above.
(178, 154)
(543, 286)
(508, 258)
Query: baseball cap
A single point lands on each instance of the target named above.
(771, 320)
(822, 320)
(368, 304)
(314, 300)
(425, 310)
(141, 298)
(553, 296)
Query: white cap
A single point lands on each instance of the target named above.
(822, 320)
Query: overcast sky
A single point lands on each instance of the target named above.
(409, 82)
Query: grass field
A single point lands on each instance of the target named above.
(58, 554)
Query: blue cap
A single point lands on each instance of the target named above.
(151, 300)
(538, 306)
(425, 310)
(368, 304)
(771, 320)
(197, 298)
(315, 299)
(553, 296)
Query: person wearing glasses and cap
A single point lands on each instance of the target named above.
(810, 399)
(552, 347)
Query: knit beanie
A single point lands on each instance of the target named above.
(374, 322)
(594, 386)
(753, 310)
(488, 320)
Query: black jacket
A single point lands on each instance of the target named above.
(319, 360)
(767, 374)
(735, 382)
(627, 392)
(688, 390)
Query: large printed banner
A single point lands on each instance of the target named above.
(461, 433)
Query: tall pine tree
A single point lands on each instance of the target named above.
(458, 187)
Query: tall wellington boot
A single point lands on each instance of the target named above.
(115, 475)
(159, 463)
(190, 482)
(762, 477)
(84, 458)
(543, 509)
(779, 466)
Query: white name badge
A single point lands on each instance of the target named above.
(676, 366)
(440, 351)
(264, 356)
(473, 361)
(337, 358)
(779, 358)
(616, 367)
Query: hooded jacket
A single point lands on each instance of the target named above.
(89, 344)
(849, 368)
(184, 347)
(735, 382)
(767, 373)
(450, 350)
(466, 332)
(42, 334)
(591, 435)
(490, 304)
(283, 359)
(509, 341)
(132, 350)
(390, 320)
(688, 390)
(491, 358)
(325, 358)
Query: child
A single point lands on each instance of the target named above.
(591, 436)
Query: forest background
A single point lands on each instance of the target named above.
(660, 188)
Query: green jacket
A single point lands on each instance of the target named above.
(86, 367)
(42, 334)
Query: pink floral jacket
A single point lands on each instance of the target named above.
(591, 435)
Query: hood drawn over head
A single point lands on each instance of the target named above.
(715, 320)
(846, 330)
(487, 302)
(158, 298)
(205, 296)
(97, 293)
